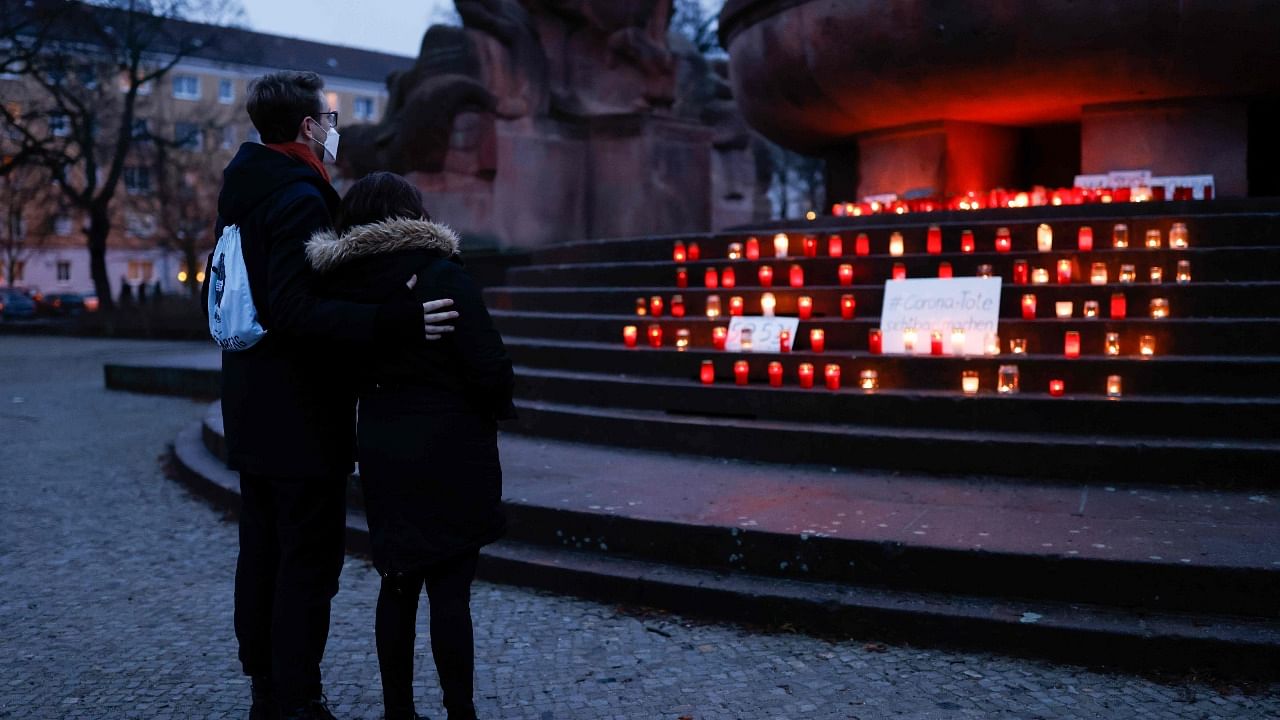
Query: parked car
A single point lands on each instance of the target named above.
(60, 303)
(16, 304)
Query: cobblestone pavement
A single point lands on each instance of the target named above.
(115, 602)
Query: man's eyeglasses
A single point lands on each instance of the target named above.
(330, 117)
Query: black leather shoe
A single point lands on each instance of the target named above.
(314, 710)
(264, 700)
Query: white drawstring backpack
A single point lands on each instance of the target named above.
(233, 318)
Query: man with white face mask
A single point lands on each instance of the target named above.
(288, 403)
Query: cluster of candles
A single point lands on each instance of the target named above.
(1119, 307)
(805, 375)
(1001, 198)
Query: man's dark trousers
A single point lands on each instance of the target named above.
(292, 536)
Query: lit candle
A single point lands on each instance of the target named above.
(875, 341)
(847, 306)
(835, 246)
(992, 344)
(695, 253)
(655, 336)
(780, 245)
(744, 338)
(1071, 344)
(817, 340)
(1084, 238)
(969, 382)
(1018, 346)
(1128, 274)
(708, 372)
(1153, 238)
(899, 271)
(752, 251)
(655, 306)
(967, 244)
(805, 372)
(735, 305)
(944, 270)
(1019, 272)
(1112, 343)
(935, 342)
(728, 278)
(1063, 308)
(741, 372)
(1178, 239)
(1159, 308)
(713, 307)
(797, 276)
(1091, 308)
(832, 374)
(1184, 272)
(682, 278)
(719, 336)
(1028, 307)
(909, 340)
(1044, 237)
(1147, 345)
(845, 273)
(933, 240)
(869, 380)
(766, 276)
(1120, 236)
(1157, 274)
(629, 335)
(1004, 241)
(677, 306)
(862, 244)
(735, 251)
(957, 341)
(1039, 276)
(1118, 306)
(810, 245)
(1007, 379)
(642, 306)
(1057, 388)
(775, 374)
(784, 341)
(895, 244)
(1098, 273)
(804, 307)
(1113, 386)
(984, 270)
(678, 253)
(711, 279)
(682, 339)
(767, 304)
(1064, 272)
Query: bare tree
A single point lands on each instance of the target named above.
(694, 20)
(85, 67)
(25, 196)
(798, 183)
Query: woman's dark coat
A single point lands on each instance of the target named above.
(427, 431)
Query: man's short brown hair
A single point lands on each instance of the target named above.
(278, 103)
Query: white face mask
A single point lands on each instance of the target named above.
(330, 145)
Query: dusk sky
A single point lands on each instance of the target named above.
(393, 26)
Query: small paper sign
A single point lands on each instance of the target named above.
(763, 332)
(941, 304)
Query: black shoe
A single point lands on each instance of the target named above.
(314, 710)
(264, 700)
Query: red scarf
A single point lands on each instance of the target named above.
(302, 154)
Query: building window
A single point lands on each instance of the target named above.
(59, 126)
(228, 137)
(362, 109)
(188, 136)
(64, 271)
(141, 131)
(186, 87)
(139, 225)
(137, 179)
(62, 225)
(226, 92)
(140, 271)
(254, 136)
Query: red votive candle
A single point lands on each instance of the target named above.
(1064, 272)
(695, 253)
(935, 342)
(805, 307)
(797, 276)
(678, 253)
(741, 372)
(735, 305)
(1004, 241)
(835, 246)
(810, 245)
(766, 276)
(845, 272)
(784, 341)
(711, 279)
(719, 336)
(847, 306)
(1118, 306)
(655, 336)
(1028, 307)
(655, 306)
(1071, 344)
(875, 341)
(1057, 387)
(832, 374)
(933, 240)
(630, 335)
(817, 340)
(1019, 272)
(805, 371)
(967, 244)
(728, 278)
(707, 373)
(682, 278)
(944, 269)
(1085, 238)
(899, 271)
(677, 306)
(862, 244)
(752, 250)
(775, 374)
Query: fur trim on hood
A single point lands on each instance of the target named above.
(326, 249)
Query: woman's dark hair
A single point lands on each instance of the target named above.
(278, 103)
(377, 197)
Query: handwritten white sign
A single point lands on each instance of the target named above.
(762, 331)
(942, 305)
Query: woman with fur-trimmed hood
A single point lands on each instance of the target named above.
(427, 433)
